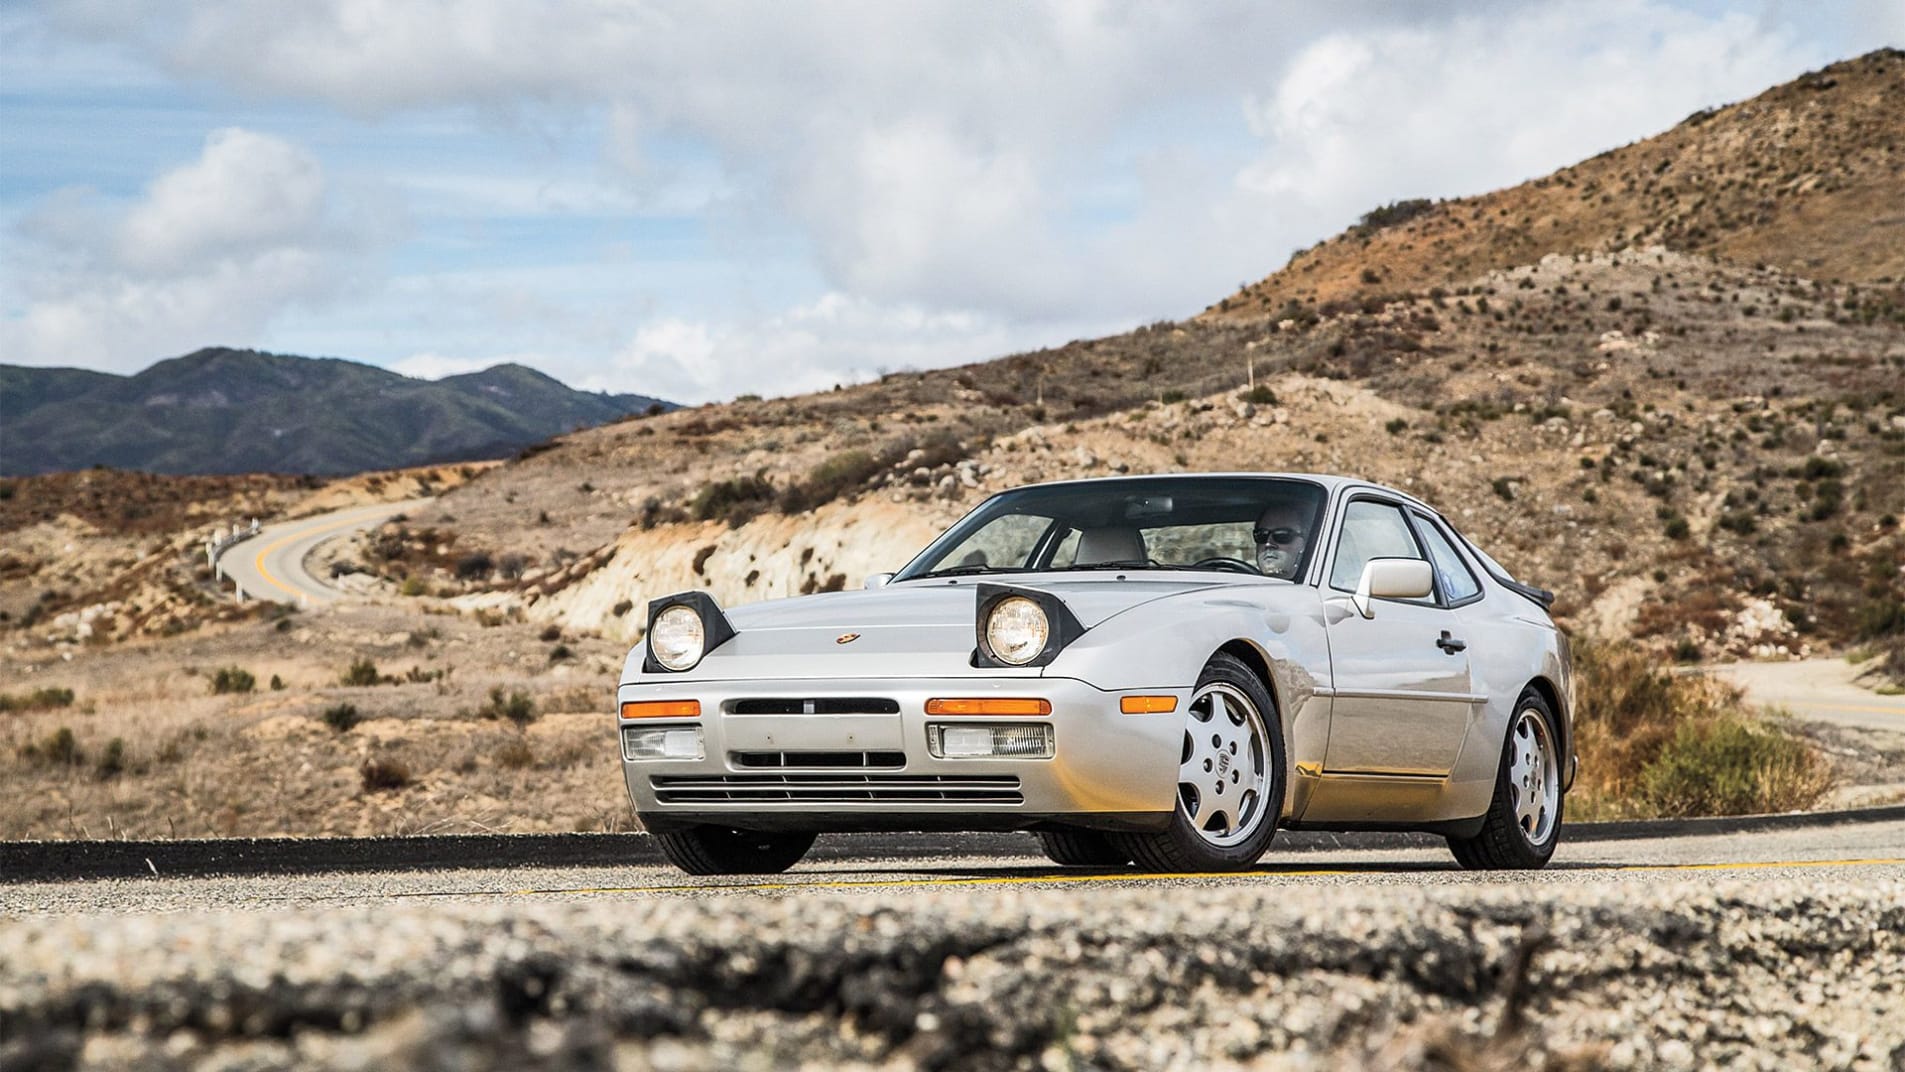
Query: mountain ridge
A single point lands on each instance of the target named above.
(221, 410)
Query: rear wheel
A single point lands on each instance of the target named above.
(714, 850)
(1230, 778)
(1081, 848)
(1523, 823)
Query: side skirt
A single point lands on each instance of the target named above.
(1456, 828)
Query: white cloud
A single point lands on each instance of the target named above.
(1487, 101)
(965, 179)
(833, 340)
(247, 195)
(210, 254)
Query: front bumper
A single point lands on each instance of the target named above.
(1108, 770)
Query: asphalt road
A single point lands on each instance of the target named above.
(270, 565)
(1860, 854)
(1821, 690)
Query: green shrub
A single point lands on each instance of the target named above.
(381, 775)
(112, 762)
(57, 749)
(514, 754)
(1260, 395)
(233, 679)
(277, 683)
(1172, 397)
(1648, 737)
(516, 706)
(413, 585)
(1677, 528)
(839, 475)
(44, 699)
(736, 501)
(1396, 426)
(1732, 767)
(1504, 488)
(342, 717)
(362, 672)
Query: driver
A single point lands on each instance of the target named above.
(1281, 538)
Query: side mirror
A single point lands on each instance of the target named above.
(1392, 578)
(878, 580)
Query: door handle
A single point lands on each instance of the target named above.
(1449, 644)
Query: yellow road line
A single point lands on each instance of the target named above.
(1060, 879)
(290, 538)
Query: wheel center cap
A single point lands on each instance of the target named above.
(1223, 763)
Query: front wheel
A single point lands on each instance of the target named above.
(1523, 823)
(713, 850)
(1081, 848)
(1230, 778)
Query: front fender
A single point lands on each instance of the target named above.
(1165, 645)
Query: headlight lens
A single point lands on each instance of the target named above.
(1017, 630)
(678, 639)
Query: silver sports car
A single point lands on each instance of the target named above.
(1157, 670)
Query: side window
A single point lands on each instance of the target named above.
(1370, 530)
(1452, 575)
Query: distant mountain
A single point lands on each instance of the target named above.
(242, 411)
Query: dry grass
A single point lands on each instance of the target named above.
(1658, 744)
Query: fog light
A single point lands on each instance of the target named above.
(661, 743)
(975, 742)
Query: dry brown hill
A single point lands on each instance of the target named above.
(1805, 177)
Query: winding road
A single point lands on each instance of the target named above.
(270, 565)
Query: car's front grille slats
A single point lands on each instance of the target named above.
(814, 705)
(841, 788)
(844, 760)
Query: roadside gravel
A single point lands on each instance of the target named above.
(1802, 971)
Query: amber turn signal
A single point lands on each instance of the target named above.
(1147, 705)
(989, 706)
(662, 709)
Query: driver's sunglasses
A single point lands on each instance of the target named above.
(1282, 537)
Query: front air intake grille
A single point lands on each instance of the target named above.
(837, 789)
(846, 760)
(815, 705)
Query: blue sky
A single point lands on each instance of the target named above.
(697, 201)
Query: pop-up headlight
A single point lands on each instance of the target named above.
(1021, 626)
(682, 629)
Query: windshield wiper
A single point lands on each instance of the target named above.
(960, 571)
(1123, 564)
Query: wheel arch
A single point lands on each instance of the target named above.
(1259, 663)
(1563, 724)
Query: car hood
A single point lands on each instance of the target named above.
(927, 603)
(911, 629)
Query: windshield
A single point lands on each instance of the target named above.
(1254, 525)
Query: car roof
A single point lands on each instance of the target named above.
(1330, 482)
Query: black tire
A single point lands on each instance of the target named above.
(1181, 847)
(713, 850)
(1081, 848)
(1503, 844)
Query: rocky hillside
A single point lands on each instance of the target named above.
(241, 411)
(1804, 177)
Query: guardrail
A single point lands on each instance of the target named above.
(223, 540)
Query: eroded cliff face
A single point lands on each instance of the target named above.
(771, 557)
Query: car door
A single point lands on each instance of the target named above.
(1403, 692)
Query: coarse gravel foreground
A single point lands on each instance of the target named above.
(1801, 972)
